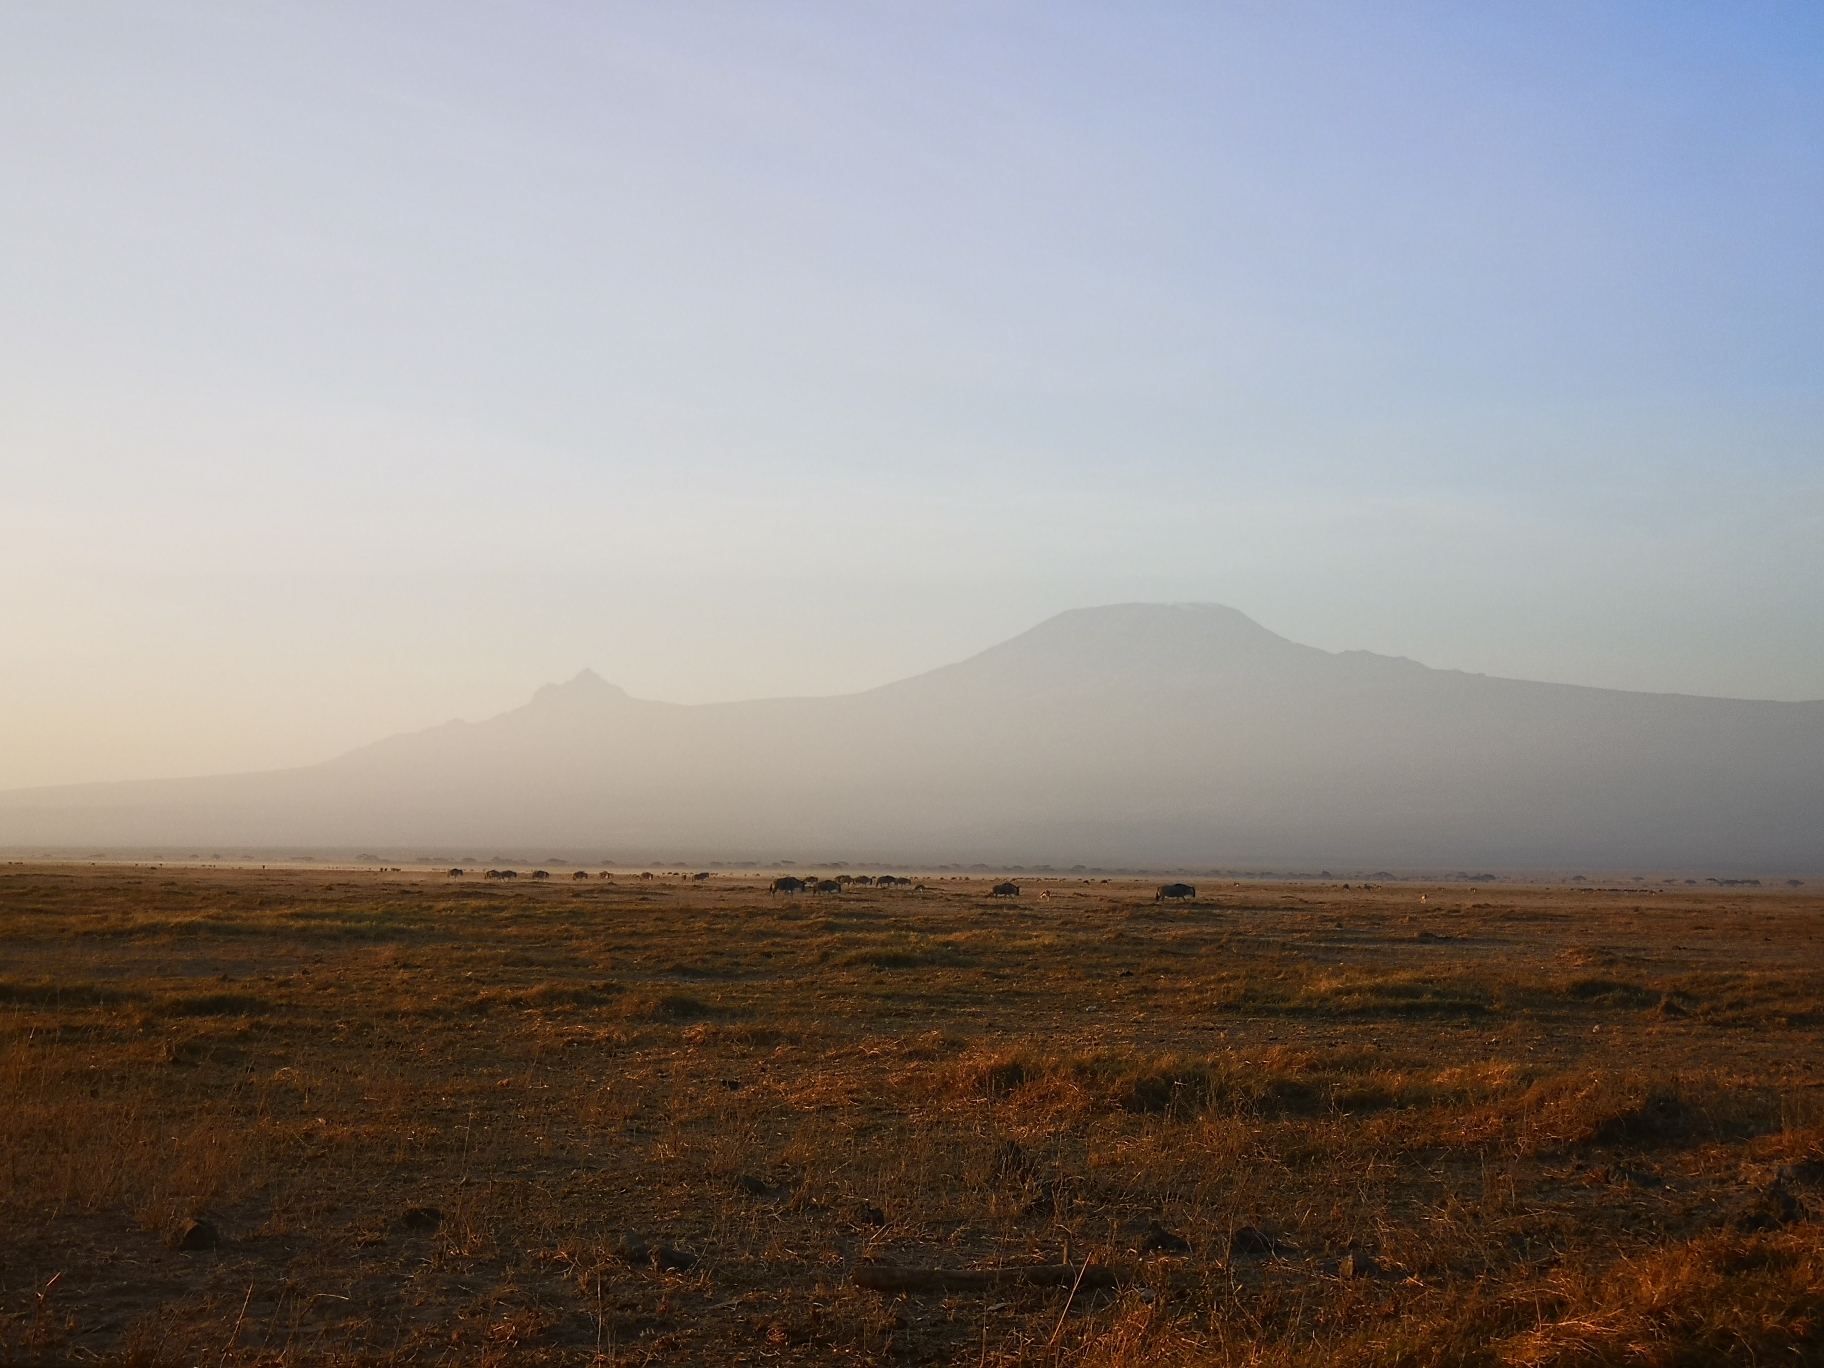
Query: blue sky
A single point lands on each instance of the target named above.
(361, 366)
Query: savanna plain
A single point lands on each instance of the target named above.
(295, 1116)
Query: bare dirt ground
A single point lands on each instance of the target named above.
(325, 1117)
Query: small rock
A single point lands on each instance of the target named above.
(421, 1218)
(732, 1084)
(869, 1214)
(669, 1260)
(665, 1258)
(753, 1187)
(1771, 1209)
(193, 1235)
(1250, 1242)
(1159, 1240)
(1640, 1178)
(1357, 1266)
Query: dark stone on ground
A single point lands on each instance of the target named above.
(1770, 1209)
(193, 1235)
(1159, 1240)
(669, 1260)
(665, 1258)
(421, 1218)
(868, 1214)
(1250, 1242)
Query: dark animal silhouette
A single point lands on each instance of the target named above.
(700, 877)
(1174, 891)
(541, 873)
(1006, 890)
(826, 886)
(787, 885)
(580, 874)
(456, 873)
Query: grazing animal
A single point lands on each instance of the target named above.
(700, 877)
(786, 885)
(580, 874)
(606, 875)
(826, 886)
(456, 873)
(1006, 890)
(1045, 896)
(1174, 891)
(541, 873)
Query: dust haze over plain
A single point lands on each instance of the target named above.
(359, 370)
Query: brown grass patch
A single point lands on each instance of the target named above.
(1540, 1128)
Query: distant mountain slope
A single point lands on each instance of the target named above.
(1132, 734)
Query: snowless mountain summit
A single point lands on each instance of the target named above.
(1131, 734)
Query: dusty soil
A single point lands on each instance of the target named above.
(290, 1117)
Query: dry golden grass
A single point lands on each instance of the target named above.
(1506, 1125)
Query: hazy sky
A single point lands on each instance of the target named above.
(363, 366)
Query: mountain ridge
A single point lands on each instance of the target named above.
(1108, 735)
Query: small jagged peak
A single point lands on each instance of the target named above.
(584, 686)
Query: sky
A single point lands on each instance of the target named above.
(367, 365)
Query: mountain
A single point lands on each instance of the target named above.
(1137, 734)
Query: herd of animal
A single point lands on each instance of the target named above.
(791, 884)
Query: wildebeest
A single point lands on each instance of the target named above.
(826, 886)
(1174, 890)
(1006, 890)
(502, 874)
(700, 877)
(787, 885)
(457, 873)
(541, 873)
(606, 875)
(580, 874)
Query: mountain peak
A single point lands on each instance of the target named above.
(1151, 642)
(585, 686)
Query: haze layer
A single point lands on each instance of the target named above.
(1130, 734)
